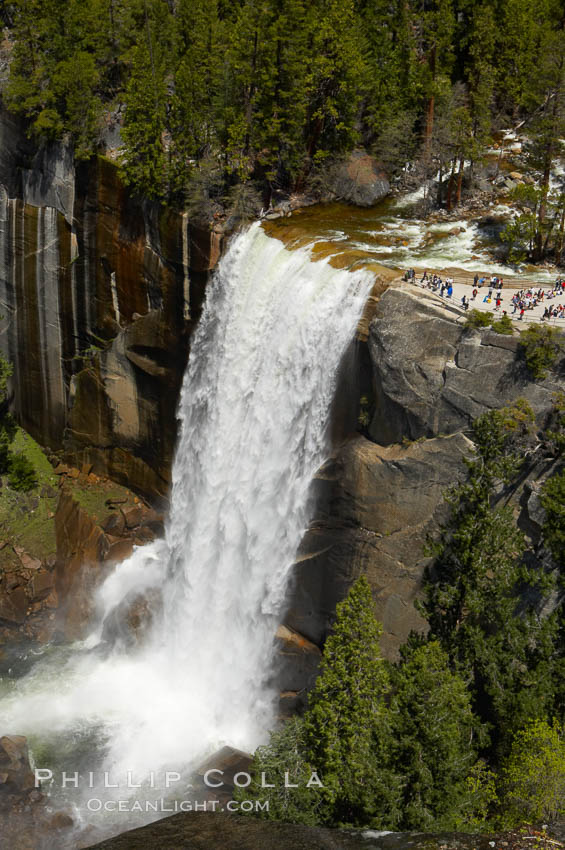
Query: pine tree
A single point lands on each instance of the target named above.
(435, 731)
(475, 601)
(434, 24)
(481, 72)
(197, 81)
(247, 46)
(37, 49)
(346, 725)
(282, 97)
(335, 75)
(523, 24)
(144, 162)
(390, 49)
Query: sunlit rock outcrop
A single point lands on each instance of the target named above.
(378, 499)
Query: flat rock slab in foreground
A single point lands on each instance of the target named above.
(212, 831)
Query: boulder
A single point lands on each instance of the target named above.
(118, 551)
(360, 180)
(133, 516)
(42, 583)
(29, 562)
(13, 605)
(230, 762)
(130, 621)
(114, 524)
(212, 830)
(16, 775)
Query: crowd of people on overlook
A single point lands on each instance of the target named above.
(527, 299)
(521, 301)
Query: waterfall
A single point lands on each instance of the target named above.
(253, 414)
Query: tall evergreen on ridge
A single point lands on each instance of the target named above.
(144, 164)
(335, 75)
(435, 736)
(197, 77)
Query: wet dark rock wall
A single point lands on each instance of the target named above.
(98, 295)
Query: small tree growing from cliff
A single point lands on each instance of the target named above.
(541, 346)
(7, 424)
(22, 475)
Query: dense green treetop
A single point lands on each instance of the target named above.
(273, 88)
(347, 728)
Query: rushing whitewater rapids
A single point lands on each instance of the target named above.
(253, 415)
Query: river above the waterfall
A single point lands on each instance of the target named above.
(395, 234)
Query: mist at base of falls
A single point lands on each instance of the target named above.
(253, 413)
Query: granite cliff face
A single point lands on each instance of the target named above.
(379, 498)
(432, 376)
(99, 291)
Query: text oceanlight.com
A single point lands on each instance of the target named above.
(162, 806)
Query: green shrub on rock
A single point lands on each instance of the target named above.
(22, 475)
(478, 319)
(541, 346)
(503, 326)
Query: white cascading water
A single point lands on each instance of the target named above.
(254, 411)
